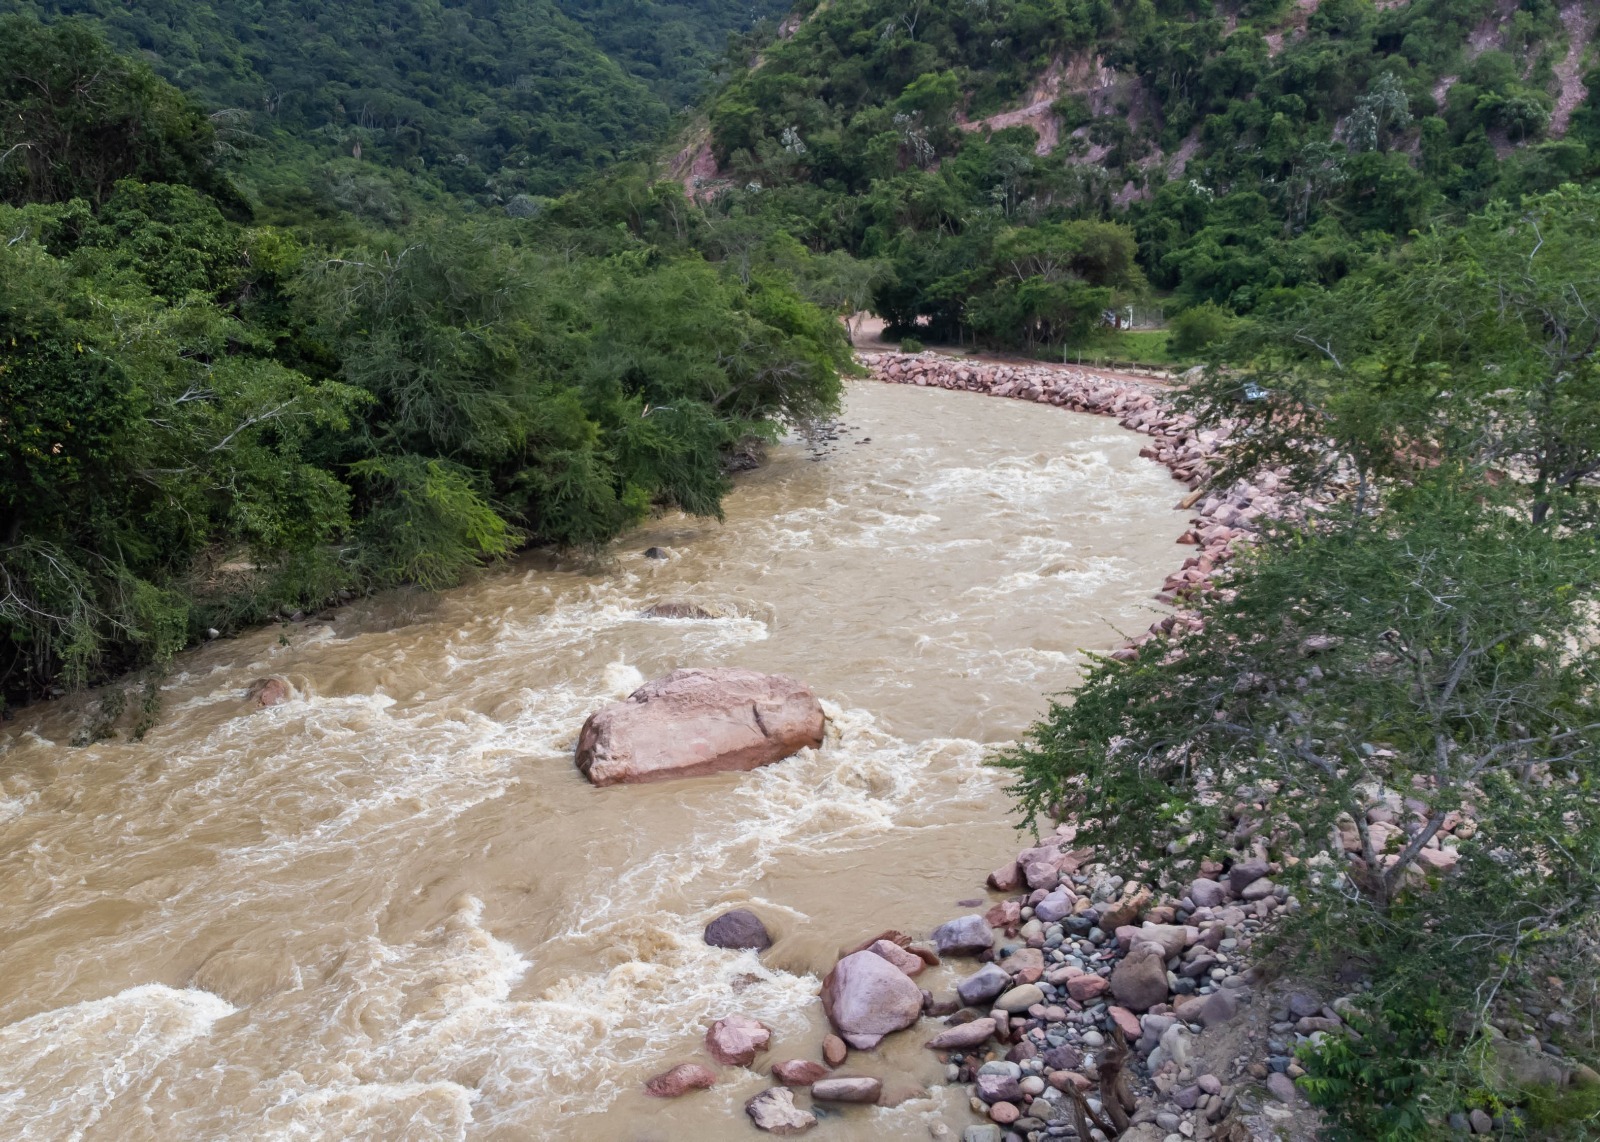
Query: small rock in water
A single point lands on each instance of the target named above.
(847, 1089)
(735, 1041)
(655, 553)
(774, 1111)
(680, 1080)
(740, 928)
(679, 609)
(799, 1072)
(834, 1050)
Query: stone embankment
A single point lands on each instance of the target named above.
(1220, 520)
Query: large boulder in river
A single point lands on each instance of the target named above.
(866, 997)
(694, 722)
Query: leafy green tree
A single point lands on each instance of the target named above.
(76, 117)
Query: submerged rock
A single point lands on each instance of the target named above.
(679, 609)
(680, 1080)
(695, 722)
(272, 691)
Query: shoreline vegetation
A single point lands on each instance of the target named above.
(397, 305)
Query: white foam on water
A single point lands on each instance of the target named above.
(63, 1068)
(438, 1011)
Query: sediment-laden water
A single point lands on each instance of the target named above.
(391, 908)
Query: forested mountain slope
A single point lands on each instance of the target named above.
(211, 413)
(1251, 147)
(493, 98)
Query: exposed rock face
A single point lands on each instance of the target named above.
(680, 1080)
(740, 928)
(774, 1111)
(866, 997)
(694, 722)
(735, 1041)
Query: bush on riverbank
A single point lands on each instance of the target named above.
(1399, 698)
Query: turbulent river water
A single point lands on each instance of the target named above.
(391, 908)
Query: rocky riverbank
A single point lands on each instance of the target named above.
(1088, 1010)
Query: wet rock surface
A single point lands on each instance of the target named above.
(697, 722)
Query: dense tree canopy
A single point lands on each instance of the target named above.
(203, 421)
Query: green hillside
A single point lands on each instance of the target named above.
(491, 98)
(1249, 148)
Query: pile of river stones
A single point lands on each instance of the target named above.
(1076, 962)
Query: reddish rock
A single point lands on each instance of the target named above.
(1061, 1080)
(866, 997)
(1005, 1113)
(906, 961)
(680, 1080)
(1087, 988)
(1006, 878)
(799, 1072)
(736, 1040)
(268, 692)
(834, 1050)
(1125, 1019)
(1124, 911)
(1004, 914)
(694, 722)
(843, 1089)
(962, 1036)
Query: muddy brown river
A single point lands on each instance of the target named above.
(391, 908)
